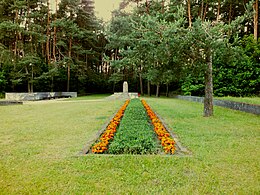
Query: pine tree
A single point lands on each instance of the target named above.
(88, 6)
(256, 17)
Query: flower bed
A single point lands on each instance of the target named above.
(163, 135)
(108, 135)
(135, 134)
(135, 129)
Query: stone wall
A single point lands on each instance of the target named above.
(9, 102)
(38, 95)
(250, 108)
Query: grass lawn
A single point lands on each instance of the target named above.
(40, 142)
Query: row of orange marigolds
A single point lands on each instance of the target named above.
(110, 131)
(163, 135)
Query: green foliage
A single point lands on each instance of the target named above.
(3, 81)
(135, 134)
(155, 43)
(116, 77)
(193, 85)
(72, 35)
(147, 45)
(237, 69)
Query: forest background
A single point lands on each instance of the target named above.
(162, 47)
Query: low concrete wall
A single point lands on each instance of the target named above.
(38, 95)
(250, 108)
(5, 103)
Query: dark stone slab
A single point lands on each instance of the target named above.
(250, 108)
(6, 103)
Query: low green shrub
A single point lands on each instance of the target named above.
(2, 95)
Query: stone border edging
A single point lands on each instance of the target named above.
(244, 107)
(6, 103)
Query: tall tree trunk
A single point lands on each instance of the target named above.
(189, 13)
(167, 90)
(28, 27)
(28, 22)
(86, 61)
(141, 84)
(202, 9)
(148, 88)
(101, 63)
(68, 79)
(230, 13)
(230, 17)
(163, 6)
(52, 84)
(42, 49)
(256, 8)
(157, 90)
(32, 80)
(205, 12)
(54, 34)
(218, 13)
(208, 100)
(48, 34)
(16, 53)
(115, 54)
(147, 7)
(114, 86)
(28, 80)
(16, 35)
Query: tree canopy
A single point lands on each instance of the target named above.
(50, 50)
(190, 47)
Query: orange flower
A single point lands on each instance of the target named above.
(101, 146)
(163, 135)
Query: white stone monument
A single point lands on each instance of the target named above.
(124, 95)
(125, 87)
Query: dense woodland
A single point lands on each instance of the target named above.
(163, 47)
(51, 50)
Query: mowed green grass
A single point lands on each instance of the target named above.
(39, 146)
